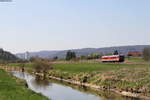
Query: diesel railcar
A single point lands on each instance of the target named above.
(113, 58)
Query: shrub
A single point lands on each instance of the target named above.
(42, 66)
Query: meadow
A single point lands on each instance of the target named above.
(89, 67)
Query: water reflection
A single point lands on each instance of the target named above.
(104, 95)
(57, 90)
(39, 82)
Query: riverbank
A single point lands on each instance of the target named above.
(12, 88)
(99, 88)
(125, 79)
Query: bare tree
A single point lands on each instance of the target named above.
(42, 66)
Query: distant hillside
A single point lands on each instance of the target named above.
(7, 56)
(85, 51)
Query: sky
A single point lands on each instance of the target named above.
(34, 25)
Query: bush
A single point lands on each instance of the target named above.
(42, 66)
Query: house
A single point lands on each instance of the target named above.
(134, 53)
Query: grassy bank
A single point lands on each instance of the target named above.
(14, 89)
(122, 77)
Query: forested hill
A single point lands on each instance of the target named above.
(7, 56)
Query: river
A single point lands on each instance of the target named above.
(56, 90)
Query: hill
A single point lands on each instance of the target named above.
(7, 56)
(86, 51)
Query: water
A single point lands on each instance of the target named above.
(56, 90)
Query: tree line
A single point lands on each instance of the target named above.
(71, 55)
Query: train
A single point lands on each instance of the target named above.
(113, 58)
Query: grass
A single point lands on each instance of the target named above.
(136, 59)
(89, 67)
(14, 89)
(128, 77)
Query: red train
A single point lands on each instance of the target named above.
(113, 58)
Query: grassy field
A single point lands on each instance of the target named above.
(136, 60)
(14, 89)
(89, 67)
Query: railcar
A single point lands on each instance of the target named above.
(113, 58)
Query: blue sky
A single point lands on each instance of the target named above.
(34, 25)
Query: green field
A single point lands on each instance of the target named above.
(137, 59)
(89, 67)
(14, 89)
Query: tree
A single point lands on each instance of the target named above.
(42, 66)
(32, 59)
(70, 55)
(73, 55)
(93, 56)
(146, 54)
(83, 57)
(115, 52)
(55, 58)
